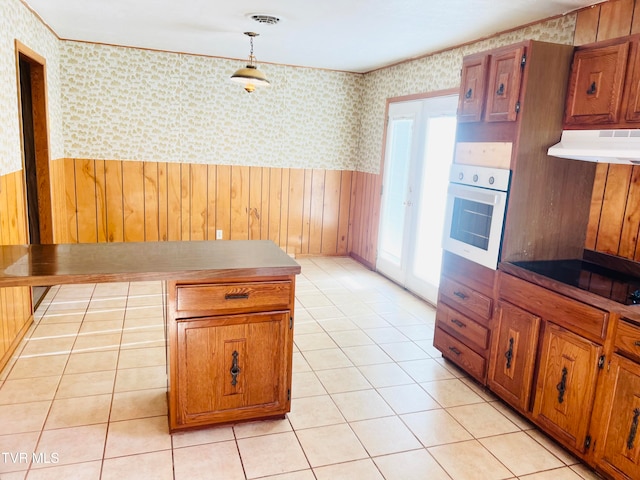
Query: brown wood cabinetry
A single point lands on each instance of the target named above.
(620, 456)
(503, 91)
(472, 88)
(231, 346)
(604, 86)
(566, 385)
(513, 354)
(465, 306)
(491, 79)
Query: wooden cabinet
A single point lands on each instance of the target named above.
(595, 86)
(604, 86)
(513, 354)
(566, 385)
(472, 88)
(231, 348)
(620, 456)
(463, 315)
(491, 79)
(503, 91)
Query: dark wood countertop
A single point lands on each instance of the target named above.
(43, 265)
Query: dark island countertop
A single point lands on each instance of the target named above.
(43, 265)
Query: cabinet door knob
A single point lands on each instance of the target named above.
(562, 386)
(500, 91)
(468, 94)
(592, 89)
(509, 353)
(235, 369)
(634, 429)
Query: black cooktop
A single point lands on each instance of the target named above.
(594, 278)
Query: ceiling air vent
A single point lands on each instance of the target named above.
(264, 19)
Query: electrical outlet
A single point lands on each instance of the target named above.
(218, 234)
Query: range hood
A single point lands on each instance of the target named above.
(607, 146)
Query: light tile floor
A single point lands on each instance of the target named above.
(372, 399)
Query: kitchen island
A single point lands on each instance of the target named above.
(229, 316)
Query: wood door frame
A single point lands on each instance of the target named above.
(41, 136)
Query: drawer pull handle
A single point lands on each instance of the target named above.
(458, 323)
(509, 353)
(236, 296)
(562, 386)
(461, 295)
(235, 369)
(634, 429)
(455, 350)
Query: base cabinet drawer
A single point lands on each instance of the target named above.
(462, 327)
(461, 296)
(226, 298)
(460, 354)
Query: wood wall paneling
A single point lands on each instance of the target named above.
(15, 302)
(303, 211)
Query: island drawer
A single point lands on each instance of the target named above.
(225, 298)
(462, 327)
(459, 295)
(628, 338)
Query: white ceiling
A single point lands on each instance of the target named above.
(349, 35)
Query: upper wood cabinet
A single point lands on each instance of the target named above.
(503, 91)
(472, 88)
(491, 79)
(596, 83)
(604, 86)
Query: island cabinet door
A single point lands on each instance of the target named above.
(566, 386)
(513, 354)
(232, 368)
(621, 454)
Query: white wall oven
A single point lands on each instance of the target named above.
(475, 212)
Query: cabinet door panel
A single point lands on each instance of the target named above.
(595, 85)
(503, 91)
(472, 88)
(514, 354)
(633, 105)
(566, 385)
(622, 438)
(231, 362)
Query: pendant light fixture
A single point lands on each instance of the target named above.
(250, 77)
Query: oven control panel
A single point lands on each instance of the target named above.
(484, 177)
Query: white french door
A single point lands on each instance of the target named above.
(418, 154)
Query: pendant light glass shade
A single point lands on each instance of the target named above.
(250, 77)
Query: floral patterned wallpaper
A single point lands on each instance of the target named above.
(18, 22)
(117, 103)
(131, 104)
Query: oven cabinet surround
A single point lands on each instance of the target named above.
(604, 86)
(463, 315)
(230, 350)
(549, 198)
